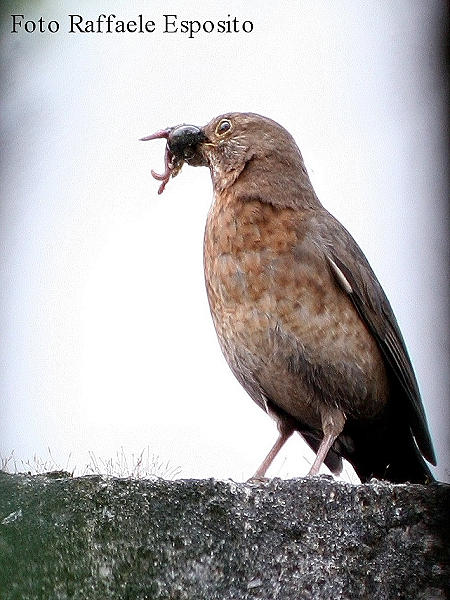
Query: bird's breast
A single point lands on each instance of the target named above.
(277, 308)
(259, 266)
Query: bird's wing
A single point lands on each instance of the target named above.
(357, 279)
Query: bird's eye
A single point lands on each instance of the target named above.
(223, 126)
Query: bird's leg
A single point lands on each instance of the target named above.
(333, 421)
(286, 429)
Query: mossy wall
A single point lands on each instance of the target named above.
(98, 538)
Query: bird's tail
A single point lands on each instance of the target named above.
(387, 450)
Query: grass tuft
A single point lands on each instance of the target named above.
(138, 466)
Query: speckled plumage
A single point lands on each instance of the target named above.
(256, 283)
(300, 316)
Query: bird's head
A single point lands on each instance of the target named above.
(238, 148)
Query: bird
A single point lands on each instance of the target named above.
(300, 316)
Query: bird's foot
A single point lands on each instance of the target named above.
(258, 479)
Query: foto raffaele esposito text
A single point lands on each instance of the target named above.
(140, 24)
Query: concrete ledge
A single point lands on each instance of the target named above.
(98, 538)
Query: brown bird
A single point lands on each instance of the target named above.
(301, 318)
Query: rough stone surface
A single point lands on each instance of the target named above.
(98, 538)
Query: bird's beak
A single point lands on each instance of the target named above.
(184, 143)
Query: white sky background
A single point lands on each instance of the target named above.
(108, 342)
